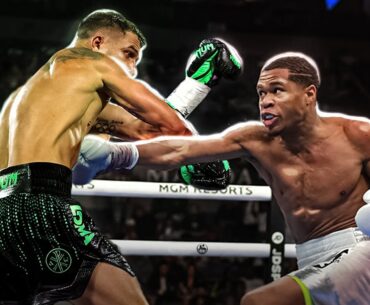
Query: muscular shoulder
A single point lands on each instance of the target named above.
(247, 132)
(81, 61)
(251, 137)
(73, 54)
(78, 59)
(73, 60)
(86, 59)
(356, 129)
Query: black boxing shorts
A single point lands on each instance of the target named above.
(49, 246)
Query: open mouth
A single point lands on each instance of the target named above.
(268, 119)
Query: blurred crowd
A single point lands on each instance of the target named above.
(200, 280)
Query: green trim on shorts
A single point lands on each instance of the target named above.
(306, 292)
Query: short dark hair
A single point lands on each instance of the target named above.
(105, 18)
(302, 68)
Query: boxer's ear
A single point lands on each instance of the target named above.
(311, 93)
(96, 42)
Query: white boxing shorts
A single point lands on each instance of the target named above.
(335, 269)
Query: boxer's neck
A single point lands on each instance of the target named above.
(299, 137)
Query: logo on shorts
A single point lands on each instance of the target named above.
(202, 248)
(58, 260)
(79, 225)
(8, 180)
(336, 259)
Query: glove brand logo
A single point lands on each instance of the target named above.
(79, 225)
(58, 260)
(203, 49)
(202, 249)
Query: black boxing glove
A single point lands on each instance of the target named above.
(214, 59)
(210, 176)
(229, 63)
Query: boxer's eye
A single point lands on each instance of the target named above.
(129, 54)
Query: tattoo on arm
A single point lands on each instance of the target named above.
(105, 126)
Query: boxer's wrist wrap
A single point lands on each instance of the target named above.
(187, 96)
(124, 155)
(98, 155)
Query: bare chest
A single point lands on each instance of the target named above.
(320, 177)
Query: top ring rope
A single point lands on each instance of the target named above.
(170, 190)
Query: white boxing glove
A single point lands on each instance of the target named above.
(98, 155)
(363, 215)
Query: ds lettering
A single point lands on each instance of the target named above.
(79, 225)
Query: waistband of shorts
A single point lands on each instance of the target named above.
(324, 246)
(38, 177)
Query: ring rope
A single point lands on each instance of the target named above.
(180, 248)
(138, 189)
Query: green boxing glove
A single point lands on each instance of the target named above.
(212, 60)
(210, 176)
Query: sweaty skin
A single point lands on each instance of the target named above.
(47, 118)
(112, 121)
(316, 164)
(4, 130)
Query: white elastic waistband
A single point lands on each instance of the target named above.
(321, 249)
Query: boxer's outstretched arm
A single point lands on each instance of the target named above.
(172, 152)
(138, 99)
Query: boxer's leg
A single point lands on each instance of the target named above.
(111, 285)
(284, 291)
